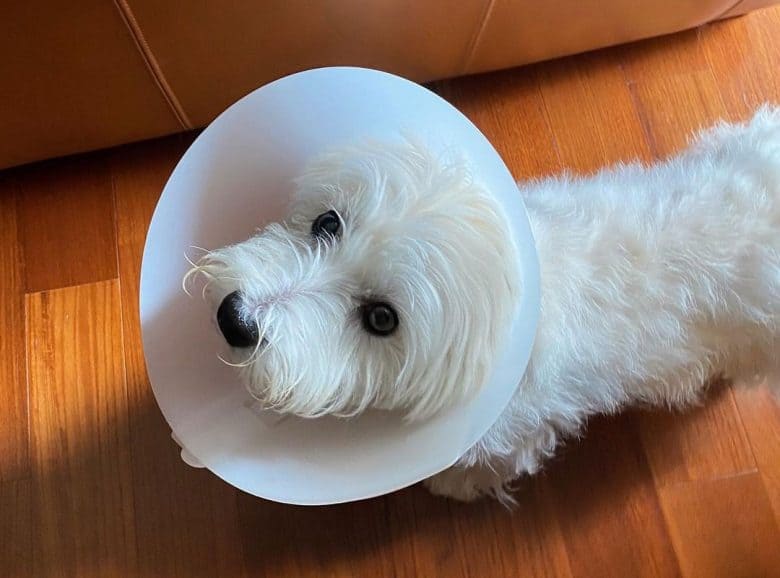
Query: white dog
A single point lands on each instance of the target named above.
(394, 279)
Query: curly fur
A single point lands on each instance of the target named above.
(654, 280)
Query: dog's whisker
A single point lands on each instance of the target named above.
(185, 279)
(196, 247)
(206, 285)
(226, 362)
(231, 364)
(190, 261)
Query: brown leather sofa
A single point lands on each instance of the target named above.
(83, 75)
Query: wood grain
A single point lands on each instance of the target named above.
(66, 222)
(702, 443)
(82, 498)
(723, 528)
(406, 534)
(608, 507)
(344, 540)
(608, 129)
(508, 108)
(673, 89)
(497, 541)
(664, 58)
(744, 58)
(15, 529)
(760, 413)
(675, 108)
(14, 430)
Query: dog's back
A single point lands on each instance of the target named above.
(656, 279)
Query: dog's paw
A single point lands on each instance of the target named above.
(469, 484)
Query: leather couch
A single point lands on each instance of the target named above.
(89, 74)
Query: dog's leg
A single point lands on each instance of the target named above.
(481, 473)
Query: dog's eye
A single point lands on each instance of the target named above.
(379, 319)
(326, 224)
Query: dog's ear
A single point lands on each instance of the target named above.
(475, 260)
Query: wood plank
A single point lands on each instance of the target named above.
(664, 57)
(186, 520)
(15, 529)
(673, 89)
(423, 526)
(607, 505)
(760, 413)
(591, 112)
(744, 58)
(344, 540)
(495, 541)
(723, 527)
(66, 222)
(675, 108)
(406, 534)
(702, 443)
(508, 108)
(82, 490)
(14, 427)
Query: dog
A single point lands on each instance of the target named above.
(394, 279)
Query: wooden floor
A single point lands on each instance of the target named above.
(91, 483)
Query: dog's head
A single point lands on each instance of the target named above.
(389, 285)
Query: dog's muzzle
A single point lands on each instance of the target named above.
(235, 329)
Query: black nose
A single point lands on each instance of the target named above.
(235, 329)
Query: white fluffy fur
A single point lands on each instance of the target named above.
(654, 280)
(418, 233)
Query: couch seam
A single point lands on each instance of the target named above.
(731, 8)
(151, 63)
(477, 37)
